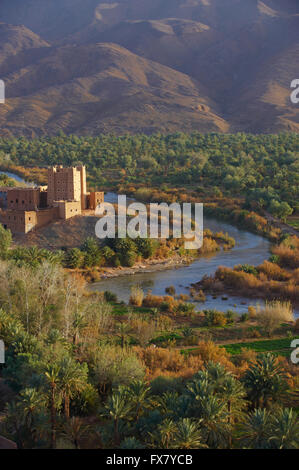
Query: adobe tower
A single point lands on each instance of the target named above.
(67, 184)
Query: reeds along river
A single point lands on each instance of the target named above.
(249, 249)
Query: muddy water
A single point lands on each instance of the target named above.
(249, 249)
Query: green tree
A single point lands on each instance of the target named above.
(117, 408)
(5, 241)
(138, 393)
(72, 379)
(254, 430)
(188, 435)
(284, 430)
(52, 378)
(265, 381)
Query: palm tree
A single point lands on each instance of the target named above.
(218, 399)
(34, 256)
(131, 443)
(123, 332)
(74, 430)
(14, 423)
(217, 374)
(200, 387)
(52, 377)
(254, 431)
(188, 435)
(214, 421)
(163, 435)
(138, 396)
(232, 392)
(31, 401)
(117, 407)
(210, 408)
(284, 430)
(79, 323)
(72, 379)
(265, 380)
(169, 403)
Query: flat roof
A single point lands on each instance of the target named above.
(19, 188)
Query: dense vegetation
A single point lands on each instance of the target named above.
(262, 168)
(275, 278)
(81, 371)
(95, 254)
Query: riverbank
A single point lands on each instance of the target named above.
(25, 175)
(144, 266)
(276, 279)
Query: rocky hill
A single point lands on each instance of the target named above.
(90, 66)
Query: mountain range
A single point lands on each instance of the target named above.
(128, 66)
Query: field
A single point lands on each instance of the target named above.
(278, 346)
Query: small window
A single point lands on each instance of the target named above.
(17, 200)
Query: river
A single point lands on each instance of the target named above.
(249, 249)
(15, 177)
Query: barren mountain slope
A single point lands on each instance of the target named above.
(104, 88)
(229, 65)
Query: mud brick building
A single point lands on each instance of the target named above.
(66, 196)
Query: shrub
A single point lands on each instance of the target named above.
(74, 258)
(273, 271)
(214, 318)
(137, 296)
(168, 363)
(211, 352)
(152, 301)
(197, 295)
(273, 314)
(274, 259)
(110, 296)
(128, 259)
(247, 268)
(252, 312)
(170, 290)
(143, 329)
(5, 241)
(146, 247)
(296, 326)
(112, 366)
(185, 309)
(230, 316)
(244, 317)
